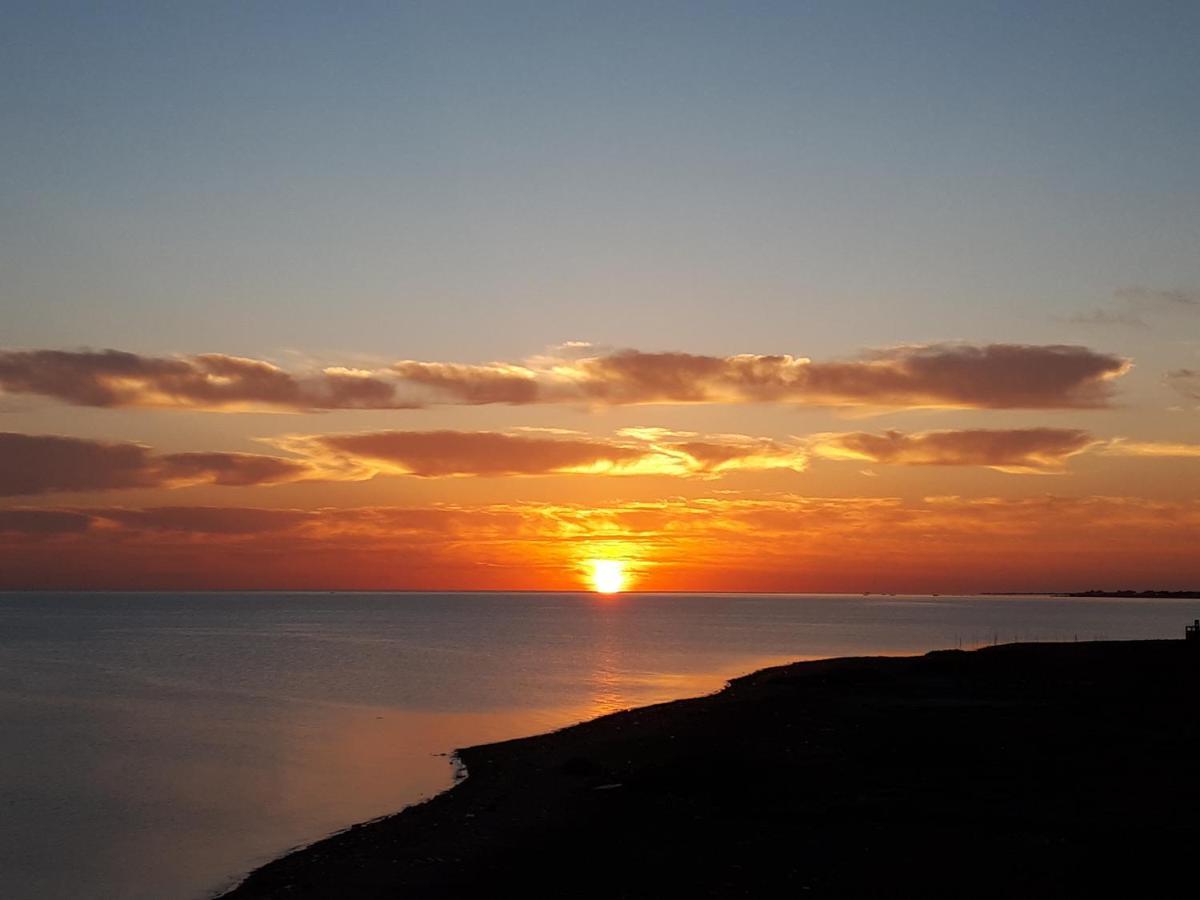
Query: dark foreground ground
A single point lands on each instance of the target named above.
(1026, 770)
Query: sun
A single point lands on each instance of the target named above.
(608, 576)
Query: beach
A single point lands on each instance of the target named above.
(1017, 770)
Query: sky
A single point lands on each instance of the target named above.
(739, 296)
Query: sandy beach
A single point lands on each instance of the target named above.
(1017, 770)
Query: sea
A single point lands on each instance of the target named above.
(158, 746)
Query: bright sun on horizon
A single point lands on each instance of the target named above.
(608, 576)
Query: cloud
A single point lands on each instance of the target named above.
(993, 376)
(43, 522)
(439, 454)
(723, 542)
(206, 520)
(1168, 299)
(1108, 317)
(111, 378)
(1122, 447)
(1131, 305)
(1024, 450)
(442, 453)
(228, 469)
(1186, 382)
(752, 516)
(472, 385)
(717, 457)
(39, 464)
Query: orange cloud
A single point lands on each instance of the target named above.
(777, 542)
(39, 464)
(994, 376)
(1012, 450)
(442, 453)
(1124, 447)
(433, 454)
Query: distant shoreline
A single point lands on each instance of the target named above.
(1139, 595)
(1126, 594)
(1116, 595)
(1041, 765)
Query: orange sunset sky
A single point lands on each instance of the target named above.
(817, 300)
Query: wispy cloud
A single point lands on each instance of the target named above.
(1186, 382)
(1020, 450)
(1131, 306)
(965, 376)
(1152, 449)
(1161, 299)
(723, 514)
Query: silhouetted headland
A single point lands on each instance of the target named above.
(1023, 770)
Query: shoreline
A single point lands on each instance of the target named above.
(1046, 766)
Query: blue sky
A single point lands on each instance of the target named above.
(478, 181)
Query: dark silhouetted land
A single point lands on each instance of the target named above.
(1026, 770)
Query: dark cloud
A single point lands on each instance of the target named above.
(206, 519)
(1014, 450)
(39, 464)
(43, 522)
(1186, 382)
(228, 469)
(630, 376)
(472, 385)
(207, 381)
(994, 376)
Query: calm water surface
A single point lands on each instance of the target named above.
(158, 746)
